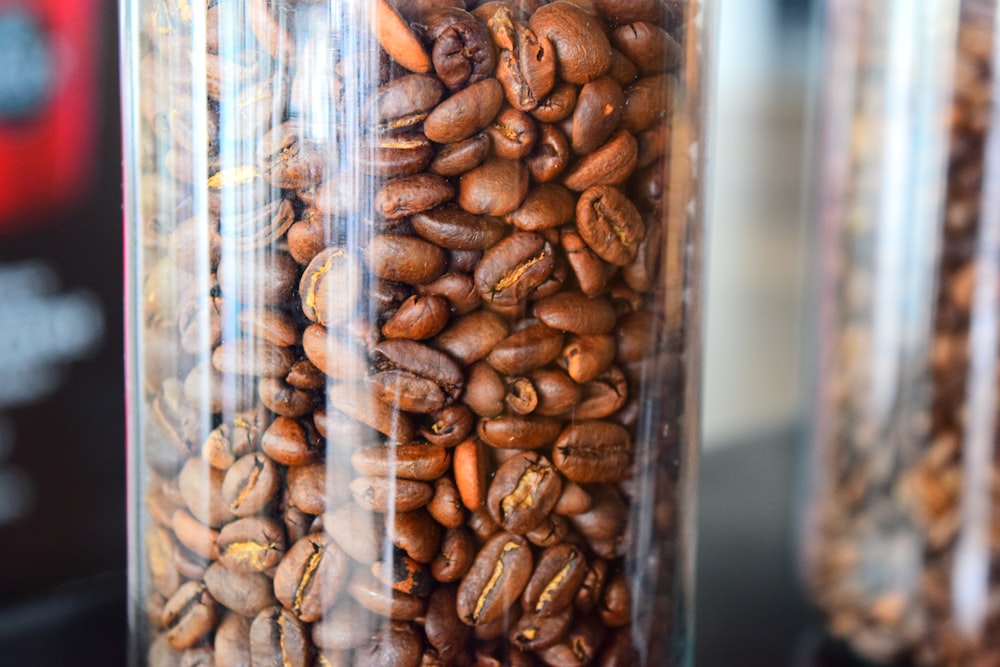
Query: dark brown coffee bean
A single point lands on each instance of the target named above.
(458, 157)
(551, 154)
(635, 336)
(586, 357)
(398, 40)
(414, 377)
(446, 505)
(246, 356)
(285, 442)
(609, 164)
(603, 396)
(574, 500)
(194, 535)
(599, 109)
(379, 494)
(394, 155)
(355, 402)
(458, 288)
(515, 432)
(445, 632)
(534, 631)
(379, 599)
(419, 317)
(558, 575)
(583, 52)
(404, 258)
(521, 398)
(188, 615)
(650, 47)
(496, 187)
(619, 650)
(344, 627)
(277, 637)
(576, 313)
(270, 283)
(330, 287)
(513, 134)
(289, 158)
(606, 519)
(485, 390)
(463, 53)
(253, 544)
(232, 641)
(470, 467)
(523, 491)
(307, 487)
(615, 609)
(457, 553)
(482, 524)
(338, 358)
(627, 11)
(245, 593)
(557, 105)
(593, 451)
(405, 102)
(622, 70)
(397, 644)
(358, 531)
(646, 102)
(546, 206)
(310, 576)
(273, 326)
(201, 488)
(579, 647)
(511, 269)
(464, 113)
(497, 577)
(455, 229)
(416, 534)
(449, 427)
(404, 196)
(610, 224)
(526, 350)
(526, 63)
(251, 485)
(282, 399)
(424, 462)
(472, 337)
(551, 531)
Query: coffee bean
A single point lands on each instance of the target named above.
(201, 488)
(526, 64)
(160, 546)
(523, 492)
(513, 134)
(594, 451)
(650, 47)
(449, 427)
(511, 269)
(398, 40)
(576, 313)
(610, 164)
(551, 531)
(405, 259)
(330, 286)
(404, 196)
(550, 157)
(345, 626)
(578, 647)
(457, 553)
(498, 575)
(603, 396)
(246, 356)
(232, 641)
(458, 157)
(394, 155)
(289, 158)
(470, 338)
(253, 544)
(418, 318)
(310, 576)
(515, 432)
(194, 535)
(415, 377)
(245, 593)
(469, 464)
(582, 50)
(453, 228)
(417, 534)
(495, 187)
(251, 485)
(485, 391)
(395, 644)
(462, 53)
(379, 599)
(188, 615)
(457, 288)
(446, 505)
(558, 575)
(380, 494)
(405, 102)
(358, 531)
(358, 404)
(278, 638)
(307, 487)
(466, 112)
(598, 112)
(534, 631)
(424, 462)
(557, 105)
(445, 632)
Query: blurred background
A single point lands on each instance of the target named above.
(62, 463)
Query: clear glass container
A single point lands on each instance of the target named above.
(414, 330)
(902, 548)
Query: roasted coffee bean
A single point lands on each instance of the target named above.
(513, 134)
(521, 398)
(358, 531)
(485, 390)
(405, 259)
(598, 112)
(189, 615)
(444, 631)
(380, 494)
(464, 113)
(574, 500)
(245, 593)
(285, 441)
(273, 326)
(622, 70)
(582, 50)
(650, 47)
(535, 631)
(550, 157)
(271, 283)
(332, 197)
(576, 313)
(610, 164)
(550, 532)
(416, 534)
(557, 105)
(403, 574)
(594, 451)
(418, 318)
(160, 547)
(457, 288)
(511, 269)
(526, 63)
(289, 158)
(194, 535)
(472, 337)
(253, 544)
(495, 187)
(603, 396)
(282, 399)
(482, 524)
(579, 647)
(515, 432)
(396, 643)
(404, 196)
(463, 53)
(455, 229)
(415, 377)
(330, 287)
(526, 350)
(307, 487)
(394, 155)
(246, 356)
(251, 485)
(334, 356)
(615, 609)
(232, 641)
(558, 575)
(586, 357)
(606, 517)
(201, 487)
(635, 336)
(446, 505)
(200, 323)
(523, 491)
(379, 599)
(470, 465)
(405, 102)
(357, 403)
(497, 577)
(277, 637)
(458, 157)
(424, 462)
(344, 627)
(310, 576)
(610, 224)
(398, 40)
(546, 206)
(646, 101)
(457, 553)
(449, 427)
(556, 392)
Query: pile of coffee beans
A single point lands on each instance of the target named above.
(890, 524)
(415, 389)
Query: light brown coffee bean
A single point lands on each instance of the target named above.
(355, 402)
(496, 579)
(310, 576)
(251, 485)
(195, 535)
(398, 40)
(330, 287)
(160, 546)
(188, 615)
(470, 466)
(201, 488)
(423, 462)
(246, 594)
(247, 356)
(334, 355)
(379, 599)
(307, 487)
(418, 318)
(285, 441)
(379, 494)
(253, 544)
(277, 637)
(232, 641)
(283, 399)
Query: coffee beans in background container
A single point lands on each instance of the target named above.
(415, 352)
(901, 542)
